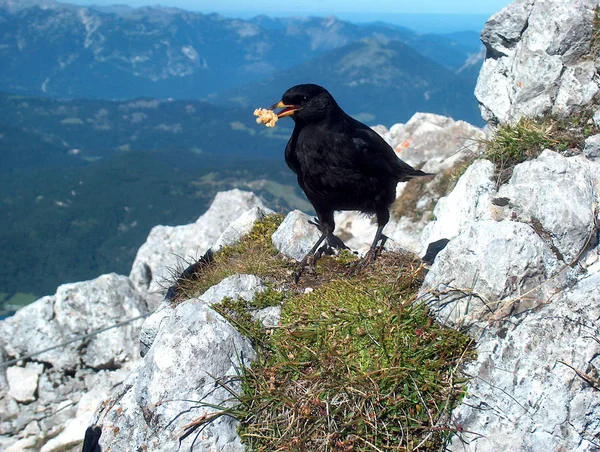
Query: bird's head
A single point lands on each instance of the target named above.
(306, 103)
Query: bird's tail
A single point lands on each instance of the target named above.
(418, 173)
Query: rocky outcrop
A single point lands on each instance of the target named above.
(538, 60)
(171, 248)
(189, 370)
(47, 400)
(520, 273)
(234, 287)
(296, 235)
(52, 396)
(535, 383)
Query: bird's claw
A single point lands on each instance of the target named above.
(307, 263)
(367, 260)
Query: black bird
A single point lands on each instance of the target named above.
(341, 164)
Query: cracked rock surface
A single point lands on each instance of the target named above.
(521, 274)
(537, 60)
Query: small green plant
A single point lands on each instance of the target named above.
(525, 140)
(595, 43)
(254, 254)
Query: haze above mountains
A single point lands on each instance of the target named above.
(72, 79)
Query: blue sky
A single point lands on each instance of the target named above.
(468, 14)
(327, 6)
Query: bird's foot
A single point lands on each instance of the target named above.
(368, 258)
(359, 266)
(308, 263)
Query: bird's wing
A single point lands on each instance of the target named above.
(290, 155)
(375, 155)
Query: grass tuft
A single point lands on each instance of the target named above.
(254, 254)
(355, 363)
(515, 143)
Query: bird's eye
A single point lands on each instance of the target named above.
(305, 98)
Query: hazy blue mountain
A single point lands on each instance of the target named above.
(83, 181)
(373, 81)
(119, 52)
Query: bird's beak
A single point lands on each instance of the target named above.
(288, 110)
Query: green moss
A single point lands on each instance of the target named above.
(254, 254)
(268, 297)
(355, 364)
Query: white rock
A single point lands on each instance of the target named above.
(481, 273)
(592, 147)
(195, 349)
(536, 60)
(578, 86)
(427, 140)
(169, 247)
(240, 227)
(152, 326)
(537, 191)
(237, 286)
(23, 382)
(74, 430)
(77, 309)
(295, 236)
(469, 201)
(523, 395)
(269, 316)
(24, 444)
(95, 364)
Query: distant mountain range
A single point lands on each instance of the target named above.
(68, 51)
(374, 81)
(167, 118)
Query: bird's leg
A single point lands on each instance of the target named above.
(369, 258)
(310, 259)
(333, 241)
(372, 253)
(326, 225)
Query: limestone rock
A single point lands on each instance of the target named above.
(236, 286)
(175, 383)
(77, 309)
(592, 147)
(296, 236)
(269, 316)
(481, 273)
(152, 325)
(240, 227)
(536, 60)
(23, 382)
(169, 247)
(504, 276)
(537, 193)
(525, 393)
(427, 141)
(469, 201)
(68, 373)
